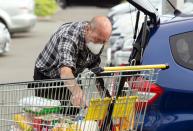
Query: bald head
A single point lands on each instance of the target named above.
(102, 26)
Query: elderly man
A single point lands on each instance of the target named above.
(72, 48)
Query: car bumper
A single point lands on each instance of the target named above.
(172, 121)
(22, 23)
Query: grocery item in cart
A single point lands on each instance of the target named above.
(77, 126)
(88, 125)
(124, 113)
(98, 109)
(39, 105)
(22, 122)
(37, 124)
(15, 128)
(66, 127)
(124, 107)
(46, 121)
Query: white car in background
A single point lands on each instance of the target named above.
(5, 39)
(122, 17)
(17, 15)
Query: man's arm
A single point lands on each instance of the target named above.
(77, 97)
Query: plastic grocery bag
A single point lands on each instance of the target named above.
(39, 105)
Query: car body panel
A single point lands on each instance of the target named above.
(168, 122)
(17, 16)
(4, 17)
(153, 55)
(5, 39)
(23, 22)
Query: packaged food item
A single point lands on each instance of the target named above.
(22, 122)
(37, 124)
(46, 126)
(67, 124)
(97, 109)
(67, 120)
(39, 105)
(87, 125)
(116, 128)
(15, 128)
(53, 119)
(46, 122)
(74, 127)
(127, 123)
(67, 127)
(60, 127)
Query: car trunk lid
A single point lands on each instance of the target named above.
(147, 8)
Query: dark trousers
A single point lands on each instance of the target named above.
(61, 93)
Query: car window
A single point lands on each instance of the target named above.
(182, 49)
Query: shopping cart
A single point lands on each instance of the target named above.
(115, 100)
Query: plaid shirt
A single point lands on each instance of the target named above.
(66, 47)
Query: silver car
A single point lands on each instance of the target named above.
(5, 39)
(17, 15)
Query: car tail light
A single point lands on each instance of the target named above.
(155, 92)
(147, 92)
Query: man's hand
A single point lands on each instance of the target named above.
(78, 97)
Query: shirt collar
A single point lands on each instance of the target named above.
(82, 35)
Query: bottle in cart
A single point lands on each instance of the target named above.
(37, 124)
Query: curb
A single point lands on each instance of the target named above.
(44, 18)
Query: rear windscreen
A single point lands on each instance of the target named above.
(182, 49)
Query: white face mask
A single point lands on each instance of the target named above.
(94, 48)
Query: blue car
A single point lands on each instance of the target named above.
(167, 41)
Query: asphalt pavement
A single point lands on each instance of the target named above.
(18, 64)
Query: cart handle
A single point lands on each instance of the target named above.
(129, 68)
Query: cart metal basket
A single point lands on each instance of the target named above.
(115, 99)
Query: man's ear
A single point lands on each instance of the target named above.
(87, 28)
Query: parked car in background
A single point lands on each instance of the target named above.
(166, 39)
(64, 3)
(188, 7)
(5, 39)
(17, 16)
(120, 42)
